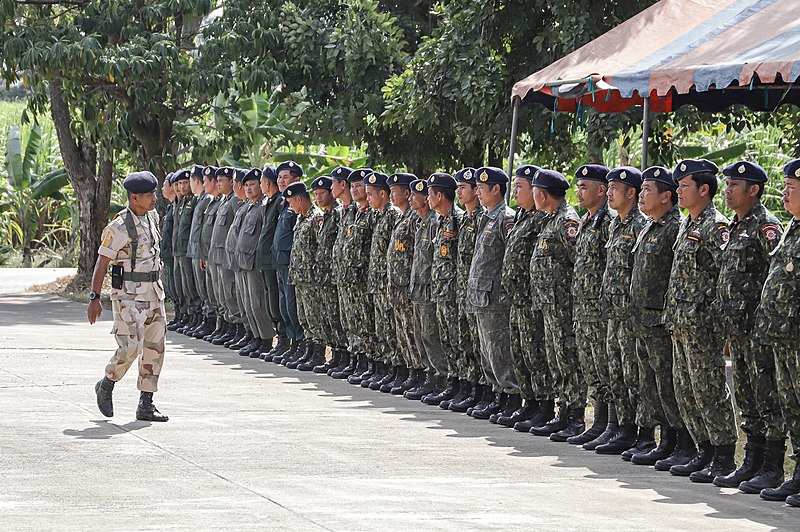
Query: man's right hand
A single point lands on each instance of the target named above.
(94, 311)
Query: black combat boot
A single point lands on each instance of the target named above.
(193, 322)
(544, 413)
(264, 347)
(254, 343)
(173, 322)
(374, 373)
(209, 324)
(104, 389)
(289, 354)
(147, 411)
(785, 490)
(491, 408)
(246, 339)
(197, 322)
(502, 404)
(666, 446)
(512, 404)
(554, 425)
(279, 349)
(389, 373)
(771, 473)
(700, 460)
(328, 364)
(344, 361)
(487, 396)
(446, 394)
(470, 400)
(317, 358)
(622, 440)
(423, 388)
(597, 428)
(611, 428)
(685, 450)
(414, 375)
(576, 424)
(464, 389)
(347, 370)
(227, 334)
(238, 334)
(523, 413)
(721, 465)
(304, 351)
(400, 374)
(644, 444)
(753, 458)
(217, 329)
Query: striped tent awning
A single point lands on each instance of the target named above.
(709, 53)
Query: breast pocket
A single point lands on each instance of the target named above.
(250, 225)
(735, 255)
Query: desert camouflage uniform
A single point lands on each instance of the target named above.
(469, 346)
(383, 331)
(444, 270)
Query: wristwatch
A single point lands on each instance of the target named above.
(93, 295)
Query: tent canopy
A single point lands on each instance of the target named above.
(709, 53)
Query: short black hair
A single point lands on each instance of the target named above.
(706, 178)
(446, 192)
(503, 188)
(663, 187)
(760, 188)
(556, 193)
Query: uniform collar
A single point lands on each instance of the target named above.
(631, 214)
(755, 210)
(497, 209)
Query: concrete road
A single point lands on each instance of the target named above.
(252, 446)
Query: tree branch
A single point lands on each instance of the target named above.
(52, 2)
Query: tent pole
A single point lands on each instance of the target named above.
(645, 130)
(515, 103)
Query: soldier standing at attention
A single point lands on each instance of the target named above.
(187, 244)
(224, 280)
(234, 291)
(131, 245)
(180, 241)
(754, 234)
(488, 300)
(551, 269)
(193, 250)
(776, 326)
(206, 232)
(591, 322)
(167, 225)
(701, 388)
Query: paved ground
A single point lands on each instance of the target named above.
(255, 446)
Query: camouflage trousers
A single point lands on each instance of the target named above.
(308, 313)
(623, 368)
(168, 280)
(590, 341)
(354, 342)
(384, 331)
(528, 352)
(227, 285)
(469, 345)
(494, 334)
(701, 388)
(184, 282)
(334, 333)
(255, 308)
(362, 308)
(787, 377)
(139, 329)
(755, 389)
(655, 396)
(562, 356)
(403, 310)
(426, 336)
(446, 311)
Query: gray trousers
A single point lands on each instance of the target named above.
(494, 334)
(228, 283)
(184, 276)
(202, 288)
(272, 301)
(241, 298)
(426, 335)
(255, 305)
(211, 288)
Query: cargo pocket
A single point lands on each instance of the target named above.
(478, 291)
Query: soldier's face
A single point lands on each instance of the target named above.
(184, 188)
(419, 201)
(621, 196)
(483, 193)
(791, 196)
(688, 193)
(434, 199)
(591, 194)
(540, 198)
(323, 198)
(167, 191)
(358, 192)
(196, 185)
(466, 193)
(339, 188)
(377, 197)
(253, 189)
(651, 200)
(265, 183)
(225, 184)
(285, 178)
(210, 186)
(399, 196)
(295, 203)
(523, 193)
(740, 194)
(145, 201)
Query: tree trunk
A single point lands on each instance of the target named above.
(93, 191)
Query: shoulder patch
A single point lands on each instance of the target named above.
(571, 228)
(771, 232)
(724, 232)
(509, 226)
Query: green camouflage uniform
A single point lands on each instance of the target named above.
(652, 262)
(340, 262)
(303, 273)
(745, 263)
(357, 246)
(527, 325)
(328, 294)
(444, 271)
(377, 281)
(426, 327)
(551, 268)
(623, 365)
(591, 320)
(469, 346)
(701, 388)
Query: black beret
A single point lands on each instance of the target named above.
(359, 174)
(420, 186)
(270, 173)
(466, 175)
(660, 175)
(210, 172)
(626, 174)
(140, 182)
(401, 179)
(526, 171)
(593, 172)
(238, 174)
(180, 175)
(291, 166)
(227, 171)
(295, 189)
(252, 175)
(197, 171)
(322, 182)
(693, 166)
(489, 175)
(341, 173)
(550, 180)
(168, 178)
(377, 179)
(442, 180)
(747, 171)
(792, 169)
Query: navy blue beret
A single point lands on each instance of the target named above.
(295, 189)
(489, 175)
(210, 172)
(291, 166)
(341, 173)
(252, 175)
(693, 166)
(792, 169)
(442, 180)
(377, 179)
(420, 186)
(270, 173)
(359, 175)
(626, 174)
(550, 180)
(466, 175)
(168, 177)
(526, 171)
(747, 171)
(239, 173)
(197, 171)
(593, 172)
(323, 181)
(140, 182)
(660, 175)
(180, 175)
(227, 171)
(401, 178)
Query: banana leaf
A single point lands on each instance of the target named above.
(50, 185)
